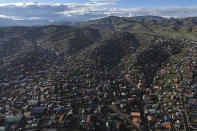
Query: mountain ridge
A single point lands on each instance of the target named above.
(180, 28)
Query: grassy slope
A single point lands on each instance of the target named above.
(180, 28)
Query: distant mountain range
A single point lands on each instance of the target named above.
(10, 22)
(181, 28)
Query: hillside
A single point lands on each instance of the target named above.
(103, 49)
(61, 39)
(114, 71)
(180, 28)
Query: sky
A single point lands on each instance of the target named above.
(122, 3)
(83, 10)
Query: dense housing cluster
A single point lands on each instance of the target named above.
(152, 89)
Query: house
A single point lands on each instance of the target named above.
(157, 87)
(136, 117)
(137, 120)
(139, 85)
(2, 128)
(150, 118)
(135, 114)
(33, 102)
(38, 111)
(153, 111)
(13, 118)
(166, 125)
(88, 119)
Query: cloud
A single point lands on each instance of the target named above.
(83, 12)
(94, 13)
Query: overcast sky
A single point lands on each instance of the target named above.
(82, 10)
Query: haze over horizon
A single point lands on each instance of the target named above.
(84, 10)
